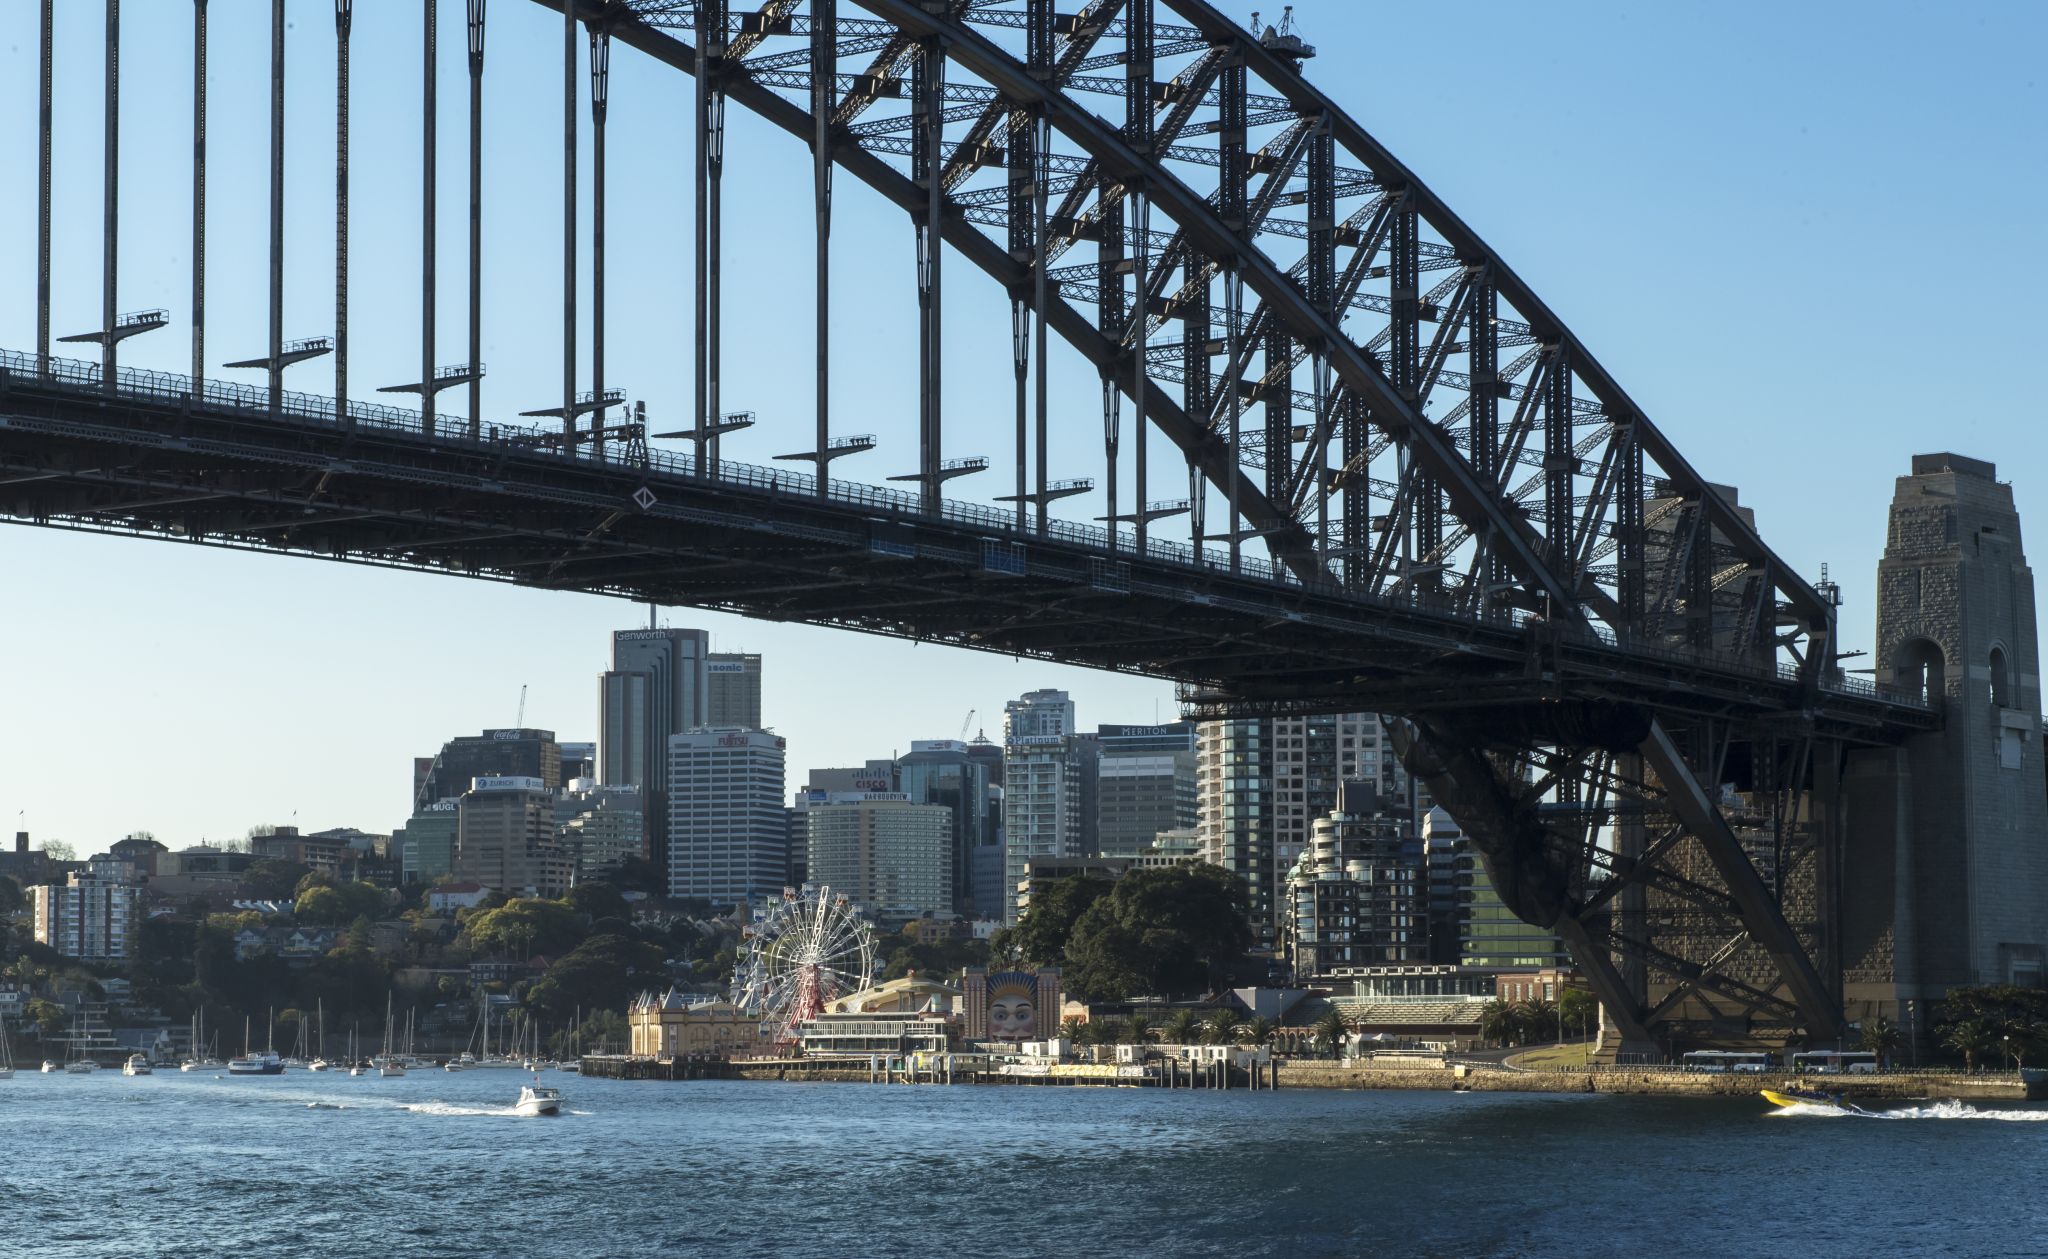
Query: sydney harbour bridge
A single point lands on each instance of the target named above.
(1399, 482)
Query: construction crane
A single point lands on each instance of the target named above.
(520, 721)
(967, 723)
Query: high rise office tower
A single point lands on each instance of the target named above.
(1144, 783)
(426, 843)
(521, 753)
(579, 760)
(883, 849)
(732, 691)
(505, 838)
(941, 772)
(728, 831)
(1041, 786)
(655, 689)
(600, 826)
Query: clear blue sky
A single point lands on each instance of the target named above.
(1807, 238)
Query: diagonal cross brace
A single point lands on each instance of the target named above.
(1760, 914)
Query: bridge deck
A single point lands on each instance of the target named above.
(151, 459)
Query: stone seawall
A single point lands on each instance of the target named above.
(1998, 1086)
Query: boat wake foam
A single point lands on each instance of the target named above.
(445, 1108)
(1937, 1110)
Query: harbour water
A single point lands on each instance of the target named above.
(436, 1164)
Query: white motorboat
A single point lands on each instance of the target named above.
(137, 1065)
(82, 1066)
(538, 1099)
(50, 1068)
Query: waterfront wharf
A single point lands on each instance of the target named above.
(1281, 1073)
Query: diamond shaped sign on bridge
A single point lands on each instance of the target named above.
(644, 499)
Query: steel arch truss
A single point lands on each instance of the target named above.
(1350, 373)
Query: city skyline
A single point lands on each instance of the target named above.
(208, 657)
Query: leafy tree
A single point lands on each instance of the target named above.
(273, 880)
(1971, 1037)
(1220, 1028)
(1882, 1037)
(1166, 932)
(1260, 1031)
(332, 904)
(1331, 1032)
(1581, 1009)
(47, 1015)
(604, 972)
(1040, 936)
(1098, 1032)
(1183, 1027)
(162, 952)
(598, 900)
(1137, 1030)
(526, 927)
(11, 898)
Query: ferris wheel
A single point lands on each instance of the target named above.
(798, 953)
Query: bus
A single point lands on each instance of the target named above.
(1835, 1062)
(1725, 1060)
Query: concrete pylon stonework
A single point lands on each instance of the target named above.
(1946, 870)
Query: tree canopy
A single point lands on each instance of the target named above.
(1167, 932)
(333, 904)
(1040, 936)
(526, 927)
(603, 973)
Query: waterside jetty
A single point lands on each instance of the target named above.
(1448, 1076)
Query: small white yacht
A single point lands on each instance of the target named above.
(538, 1099)
(50, 1068)
(137, 1065)
(81, 1066)
(318, 1064)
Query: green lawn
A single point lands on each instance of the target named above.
(1554, 1057)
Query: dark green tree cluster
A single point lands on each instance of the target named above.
(1168, 932)
(1993, 1022)
(1509, 1023)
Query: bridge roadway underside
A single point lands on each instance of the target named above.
(75, 457)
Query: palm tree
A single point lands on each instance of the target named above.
(1097, 1032)
(1971, 1037)
(1497, 1022)
(1537, 1022)
(1881, 1036)
(1072, 1026)
(1182, 1028)
(1139, 1030)
(1259, 1031)
(1221, 1028)
(1331, 1032)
